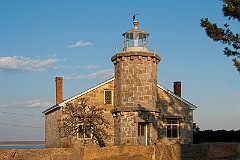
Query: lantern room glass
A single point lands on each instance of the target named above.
(135, 39)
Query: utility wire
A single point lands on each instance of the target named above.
(15, 130)
(15, 125)
(21, 114)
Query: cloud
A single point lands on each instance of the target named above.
(30, 103)
(23, 64)
(88, 66)
(99, 74)
(61, 66)
(80, 44)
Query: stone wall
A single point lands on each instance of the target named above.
(206, 151)
(96, 98)
(172, 107)
(135, 93)
(52, 136)
(135, 79)
(127, 133)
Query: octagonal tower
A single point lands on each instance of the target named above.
(135, 90)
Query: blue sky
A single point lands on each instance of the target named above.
(40, 40)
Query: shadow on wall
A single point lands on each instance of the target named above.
(168, 107)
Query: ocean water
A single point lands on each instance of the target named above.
(22, 146)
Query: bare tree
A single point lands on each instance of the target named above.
(79, 119)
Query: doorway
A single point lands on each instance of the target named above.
(142, 133)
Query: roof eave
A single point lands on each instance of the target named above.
(86, 91)
(191, 106)
(51, 109)
(74, 97)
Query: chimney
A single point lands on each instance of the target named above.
(59, 94)
(177, 88)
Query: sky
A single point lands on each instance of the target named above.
(40, 40)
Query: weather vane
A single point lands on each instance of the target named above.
(134, 17)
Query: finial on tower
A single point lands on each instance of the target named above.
(135, 22)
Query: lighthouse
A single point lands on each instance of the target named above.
(135, 90)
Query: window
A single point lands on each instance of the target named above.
(84, 132)
(141, 129)
(107, 97)
(172, 128)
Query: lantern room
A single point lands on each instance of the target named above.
(135, 39)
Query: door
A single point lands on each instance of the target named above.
(142, 133)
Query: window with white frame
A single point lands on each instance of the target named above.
(173, 127)
(108, 97)
(84, 131)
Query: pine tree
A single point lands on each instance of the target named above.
(231, 10)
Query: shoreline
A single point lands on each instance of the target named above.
(3, 145)
(16, 143)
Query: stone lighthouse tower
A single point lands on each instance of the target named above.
(135, 90)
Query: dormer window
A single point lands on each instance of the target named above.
(108, 97)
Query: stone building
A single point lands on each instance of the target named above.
(141, 111)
